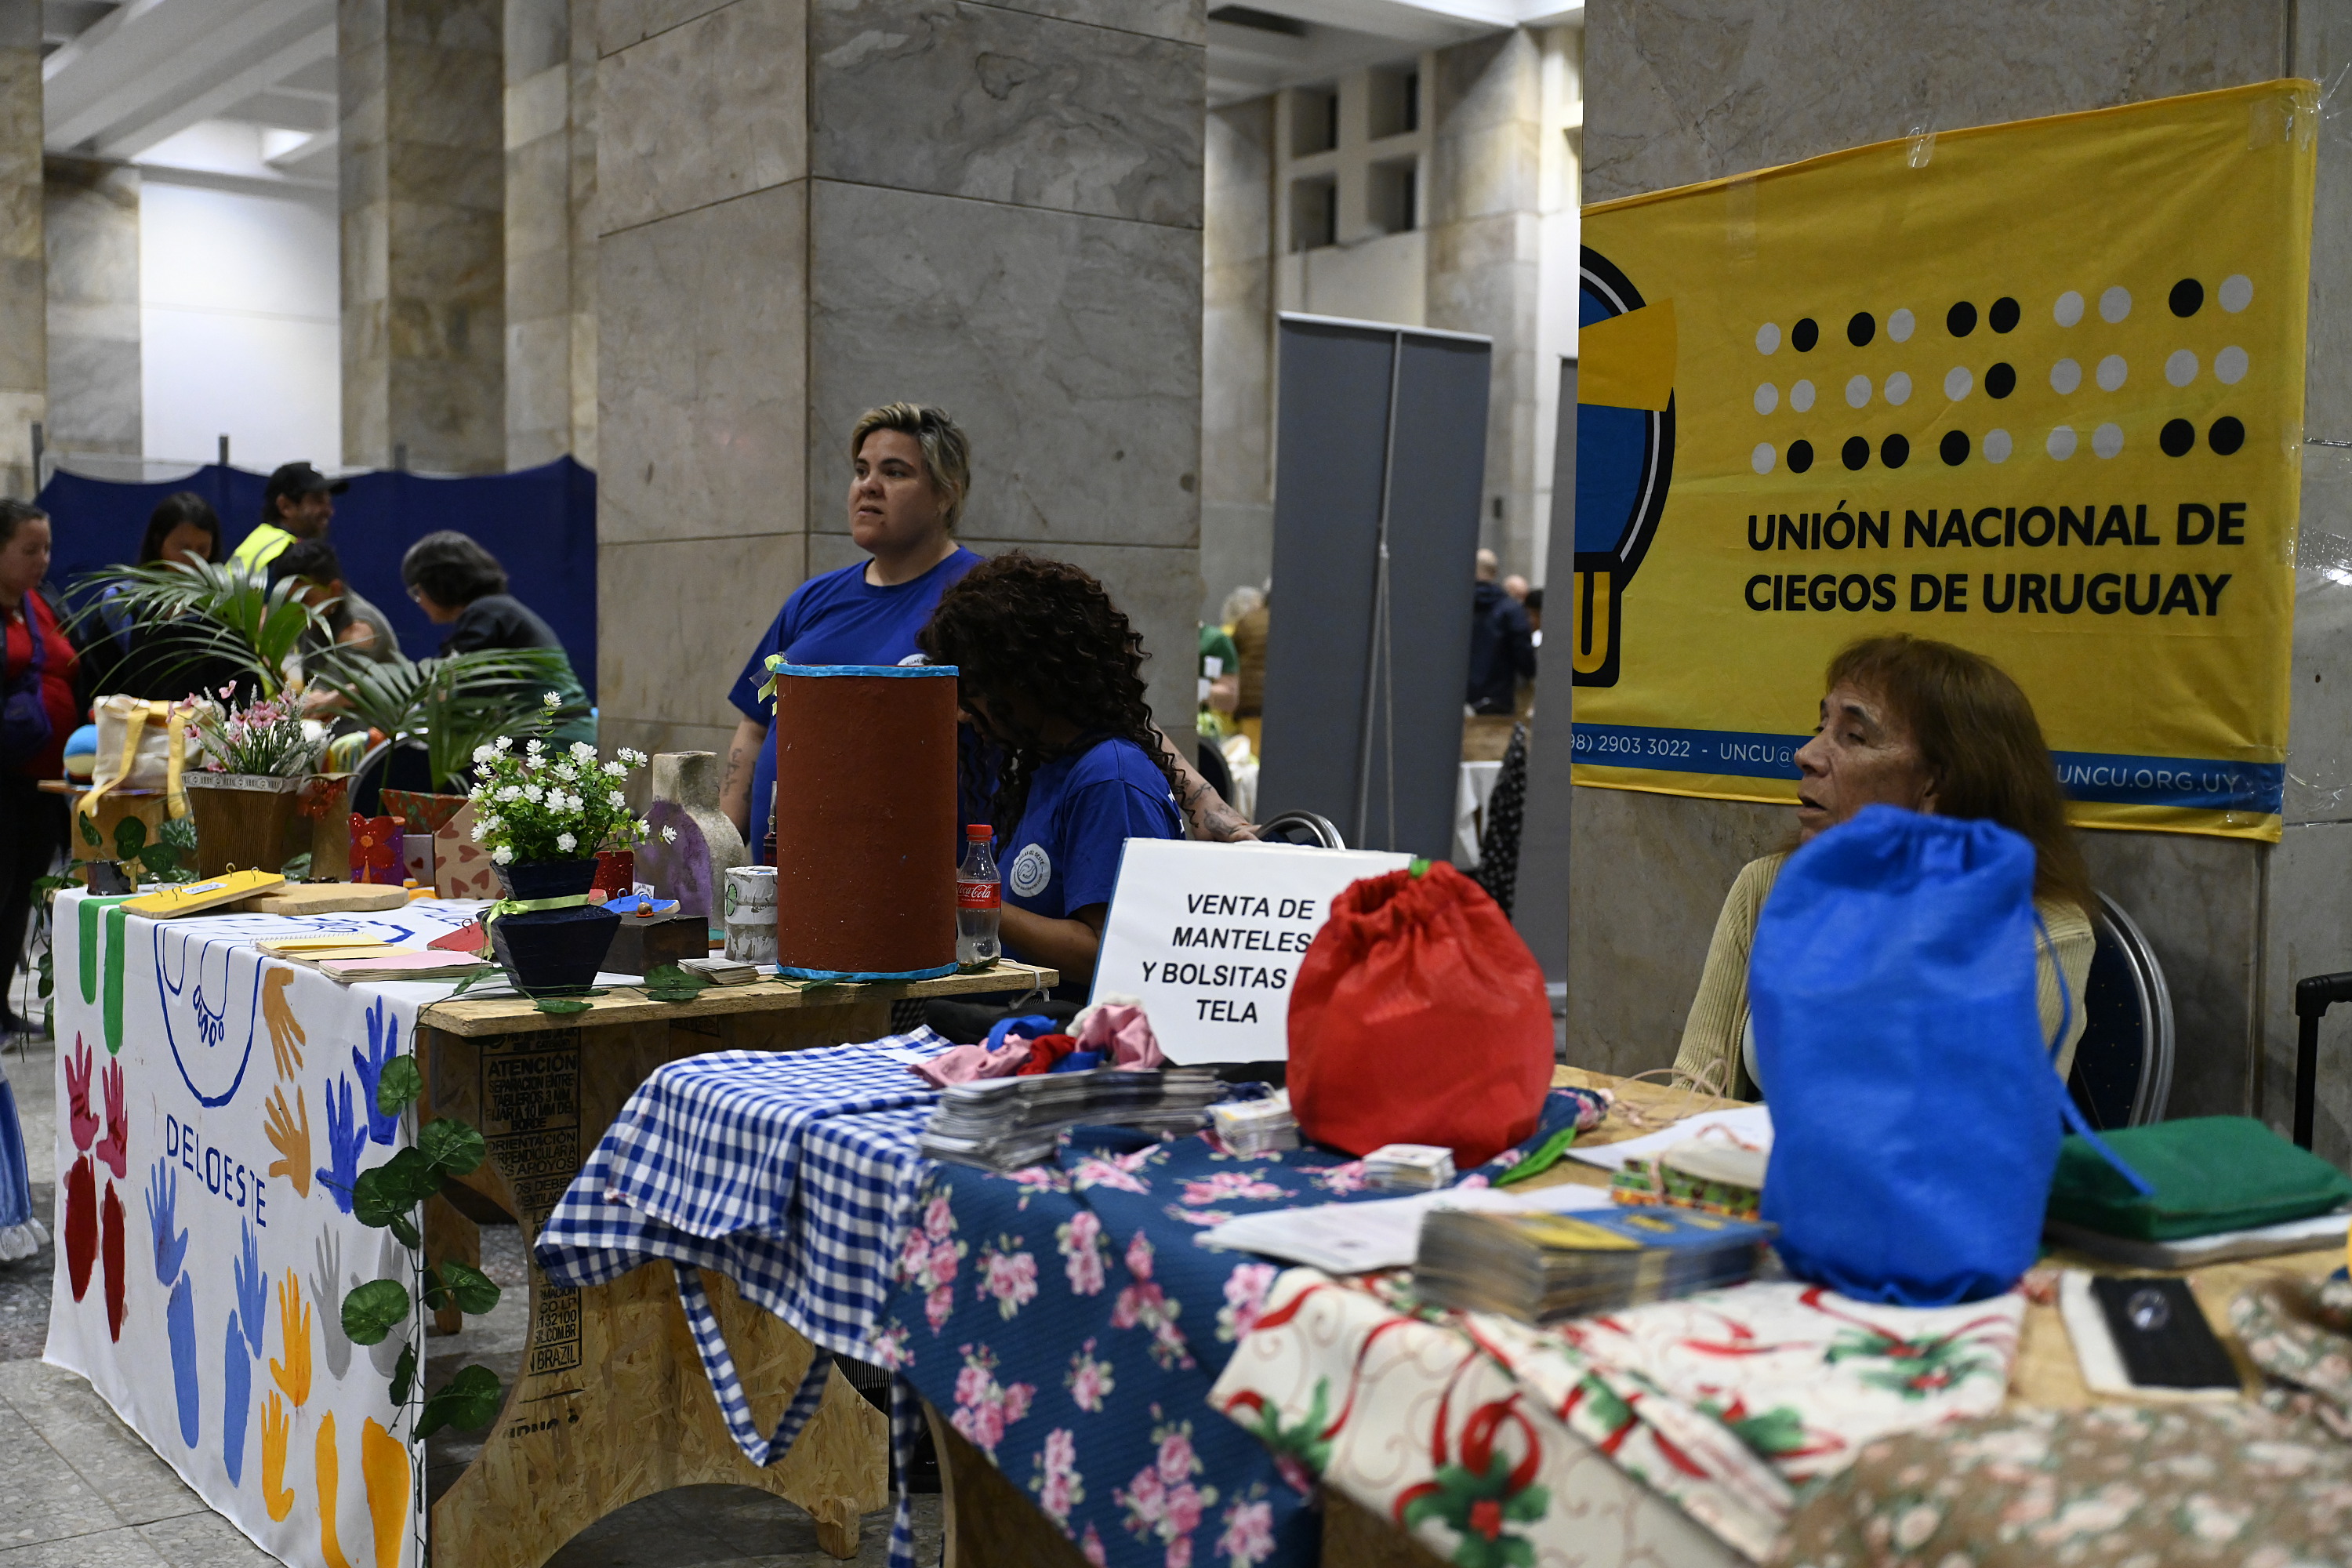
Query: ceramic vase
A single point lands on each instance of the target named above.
(545, 949)
(241, 820)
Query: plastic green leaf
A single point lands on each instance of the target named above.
(450, 1145)
(559, 1004)
(392, 1188)
(397, 1090)
(373, 1309)
(668, 983)
(404, 1231)
(296, 868)
(404, 1375)
(473, 1290)
(160, 859)
(130, 837)
(87, 822)
(470, 1399)
(179, 833)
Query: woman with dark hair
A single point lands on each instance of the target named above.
(183, 526)
(460, 584)
(1934, 729)
(1051, 672)
(38, 712)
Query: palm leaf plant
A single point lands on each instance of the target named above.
(220, 612)
(453, 705)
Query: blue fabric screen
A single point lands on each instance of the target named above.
(539, 523)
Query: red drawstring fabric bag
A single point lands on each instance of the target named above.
(1419, 1016)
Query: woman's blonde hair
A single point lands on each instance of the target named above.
(1982, 744)
(947, 455)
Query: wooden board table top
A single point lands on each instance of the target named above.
(612, 1403)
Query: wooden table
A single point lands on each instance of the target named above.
(612, 1403)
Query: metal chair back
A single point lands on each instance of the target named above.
(2123, 1068)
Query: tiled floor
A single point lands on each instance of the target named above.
(80, 1490)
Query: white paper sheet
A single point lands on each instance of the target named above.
(1353, 1238)
(1751, 1124)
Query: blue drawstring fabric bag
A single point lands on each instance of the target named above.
(1916, 1112)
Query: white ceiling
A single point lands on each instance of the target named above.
(1264, 44)
(245, 86)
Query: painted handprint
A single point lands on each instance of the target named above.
(180, 1313)
(326, 1287)
(80, 1118)
(237, 1398)
(381, 1028)
(347, 1135)
(384, 1461)
(293, 1374)
(162, 1199)
(286, 1037)
(276, 1495)
(330, 1545)
(114, 1150)
(290, 1136)
(110, 1243)
(252, 1294)
(81, 1223)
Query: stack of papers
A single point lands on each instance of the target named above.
(402, 964)
(720, 970)
(1007, 1123)
(1351, 1238)
(1252, 1127)
(1540, 1268)
(1409, 1167)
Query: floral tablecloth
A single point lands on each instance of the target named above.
(1673, 1433)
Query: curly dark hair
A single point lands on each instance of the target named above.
(1022, 626)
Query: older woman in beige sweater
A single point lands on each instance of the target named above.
(1931, 728)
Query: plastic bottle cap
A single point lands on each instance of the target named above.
(980, 830)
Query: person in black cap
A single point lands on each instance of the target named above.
(297, 503)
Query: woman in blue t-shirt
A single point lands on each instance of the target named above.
(911, 470)
(1051, 672)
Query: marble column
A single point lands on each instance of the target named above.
(422, 156)
(806, 209)
(24, 299)
(551, 236)
(1703, 89)
(91, 222)
(1237, 353)
(1484, 253)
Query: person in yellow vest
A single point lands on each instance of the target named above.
(297, 503)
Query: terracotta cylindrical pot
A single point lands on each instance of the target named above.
(546, 950)
(865, 819)
(240, 820)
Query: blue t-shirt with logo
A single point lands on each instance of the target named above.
(836, 618)
(1082, 810)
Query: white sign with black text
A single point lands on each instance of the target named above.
(1210, 935)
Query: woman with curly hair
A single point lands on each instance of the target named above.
(1051, 672)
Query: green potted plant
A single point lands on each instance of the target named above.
(543, 813)
(452, 707)
(256, 755)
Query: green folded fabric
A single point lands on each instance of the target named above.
(2211, 1174)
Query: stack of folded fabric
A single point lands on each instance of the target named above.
(1254, 1127)
(1006, 1124)
(1409, 1167)
(720, 970)
(2216, 1188)
(1541, 1267)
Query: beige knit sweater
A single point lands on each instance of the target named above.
(1713, 1035)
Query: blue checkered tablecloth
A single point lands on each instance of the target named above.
(794, 1174)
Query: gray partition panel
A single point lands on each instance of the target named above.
(1329, 698)
(1540, 910)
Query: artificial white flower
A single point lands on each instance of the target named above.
(552, 698)
(511, 792)
(669, 834)
(617, 800)
(482, 755)
(533, 794)
(505, 742)
(631, 755)
(535, 746)
(480, 833)
(583, 751)
(491, 823)
(566, 771)
(616, 770)
(646, 826)
(578, 804)
(503, 855)
(565, 842)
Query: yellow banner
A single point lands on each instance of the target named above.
(2035, 389)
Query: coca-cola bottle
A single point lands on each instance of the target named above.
(979, 900)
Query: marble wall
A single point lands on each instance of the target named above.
(808, 209)
(1237, 353)
(24, 299)
(423, 163)
(1708, 87)
(1485, 252)
(90, 231)
(550, 231)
